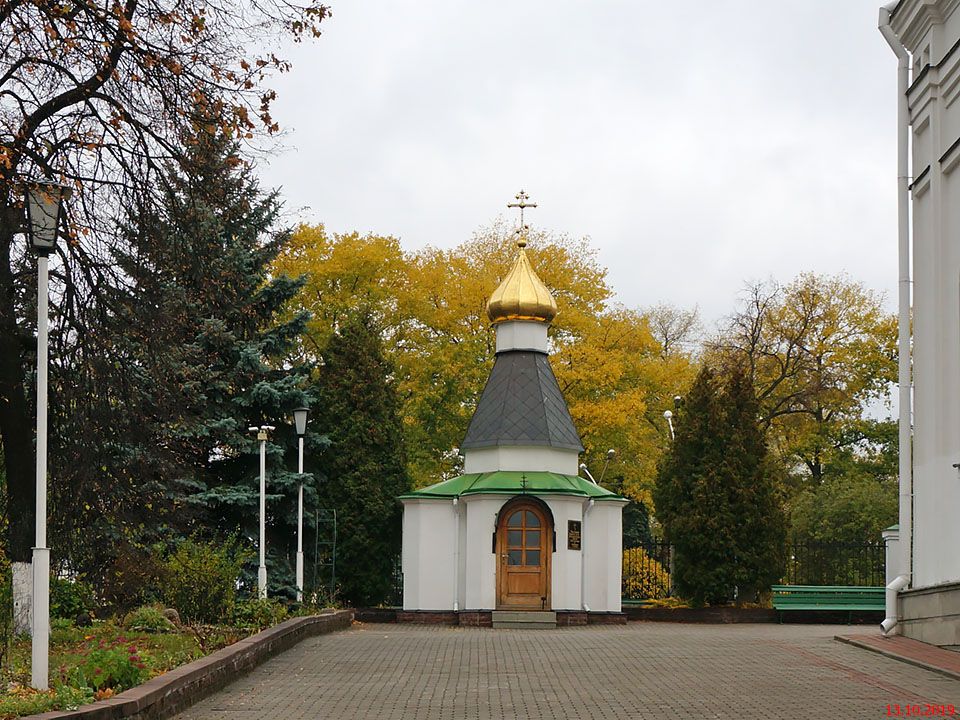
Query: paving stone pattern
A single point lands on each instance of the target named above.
(642, 670)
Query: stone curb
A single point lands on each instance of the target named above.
(479, 618)
(897, 656)
(709, 615)
(726, 614)
(172, 692)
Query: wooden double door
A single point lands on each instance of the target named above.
(524, 548)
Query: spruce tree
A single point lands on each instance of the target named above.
(760, 531)
(194, 353)
(714, 497)
(365, 465)
(636, 525)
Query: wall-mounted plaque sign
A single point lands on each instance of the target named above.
(573, 534)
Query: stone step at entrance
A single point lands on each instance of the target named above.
(518, 619)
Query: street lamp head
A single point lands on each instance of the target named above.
(300, 420)
(677, 402)
(667, 414)
(44, 202)
(611, 454)
(261, 431)
(583, 467)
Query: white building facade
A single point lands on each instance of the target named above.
(520, 530)
(929, 605)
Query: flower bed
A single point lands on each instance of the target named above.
(96, 662)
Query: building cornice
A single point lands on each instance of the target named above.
(912, 19)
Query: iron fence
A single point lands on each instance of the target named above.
(396, 577)
(814, 563)
(646, 571)
(647, 568)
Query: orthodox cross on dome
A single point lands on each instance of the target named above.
(521, 203)
(521, 295)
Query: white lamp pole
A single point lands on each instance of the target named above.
(41, 553)
(669, 418)
(262, 432)
(300, 420)
(44, 214)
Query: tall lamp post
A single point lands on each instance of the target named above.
(611, 454)
(44, 203)
(262, 434)
(668, 416)
(300, 420)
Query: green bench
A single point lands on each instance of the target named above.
(827, 597)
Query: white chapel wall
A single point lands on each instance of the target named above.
(603, 554)
(428, 555)
(461, 555)
(480, 592)
(432, 546)
(565, 564)
(409, 556)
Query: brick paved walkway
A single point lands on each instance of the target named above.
(911, 651)
(643, 670)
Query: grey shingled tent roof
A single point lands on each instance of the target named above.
(522, 404)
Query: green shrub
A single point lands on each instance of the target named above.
(133, 578)
(62, 624)
(149, 618)
(117, 665)
(200, 579)
(316, 600)
(258, 614)
(70, 598)
(64, 632)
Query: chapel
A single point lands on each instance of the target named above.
(520, 531)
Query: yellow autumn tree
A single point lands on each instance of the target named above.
(617, 384)
(820, 350)
(345, 274)
(430, 306)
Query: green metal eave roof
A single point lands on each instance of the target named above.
(535, 483)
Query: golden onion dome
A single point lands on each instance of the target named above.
(522, 295)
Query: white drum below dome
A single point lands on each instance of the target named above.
(521, 458)
(521, 335)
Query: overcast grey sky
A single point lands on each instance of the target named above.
(698, 144)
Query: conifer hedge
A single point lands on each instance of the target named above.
(717, 501)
